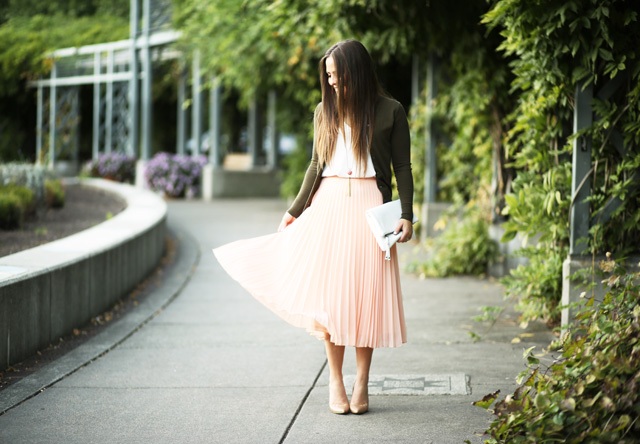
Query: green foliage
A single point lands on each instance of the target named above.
(470, 108)
(258, 45)
(11, 212)
(295, 164)
(28, 175)
(16, 202)
(26, 41)
(554, 48)
(538, 211)
(25, 195)
(31, 29)
(41, 231)
(71, 8)
(468, 115)
(590, 392)
(538, 284)
(54, 193)
(464, 248)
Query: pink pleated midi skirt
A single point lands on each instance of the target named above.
(325, 271)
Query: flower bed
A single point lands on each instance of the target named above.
(174, 175)
(113, 166)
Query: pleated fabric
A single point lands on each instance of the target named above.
(325, 272)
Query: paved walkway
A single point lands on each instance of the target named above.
(217, 367)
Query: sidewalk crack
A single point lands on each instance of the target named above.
(304, 400)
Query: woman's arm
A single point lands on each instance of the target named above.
(310, 176)
(401, 159)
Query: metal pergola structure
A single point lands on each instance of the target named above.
(121, 75)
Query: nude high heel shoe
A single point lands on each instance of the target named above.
(360, 408)
(338, 408)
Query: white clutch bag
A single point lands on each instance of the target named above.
(383, 220)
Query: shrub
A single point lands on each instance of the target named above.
(464, 248)
(590, 394)
(174, 175)
(295, 164)
(11, 211)
(54, 193)
(24, 194)
(113, 166)
(28, 175)
(538, 284)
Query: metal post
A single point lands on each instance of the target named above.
(253, 132)
(147, 106)
(581, 165)
(52, 117)
(75, 112)
(196, 108)
(108, 121)
(96, 107)
(182, 114)
(39, 127)
(134, 85)
(215, 112)
(415, 78)
(430, 174)
(272, 155)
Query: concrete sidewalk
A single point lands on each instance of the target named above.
(215, 366)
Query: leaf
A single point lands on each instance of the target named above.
(487, 400)
(508, 236)
(533, 360)
(528, 351)
(606, 55)
(568, 404)
(511, 200)
(542, 401)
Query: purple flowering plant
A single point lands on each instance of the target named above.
(115, 166)
(176, 175)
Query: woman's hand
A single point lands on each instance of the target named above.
(407, 230)
(287, 220)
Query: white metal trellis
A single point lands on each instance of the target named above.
(121, 75)
(114, 71)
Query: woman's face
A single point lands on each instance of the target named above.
(332, 74)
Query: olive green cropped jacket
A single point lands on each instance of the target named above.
(391, 144)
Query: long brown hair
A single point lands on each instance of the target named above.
(356, 103)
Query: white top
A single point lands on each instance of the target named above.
(343, 159)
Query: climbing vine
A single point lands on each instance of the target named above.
(555, 48)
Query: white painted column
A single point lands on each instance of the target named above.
(96, 107)
(108, 120)
(196, 105)
(52, 117)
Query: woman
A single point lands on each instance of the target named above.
(323, 270)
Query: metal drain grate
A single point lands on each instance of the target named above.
(448, 384)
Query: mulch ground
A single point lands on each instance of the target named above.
(84, 207)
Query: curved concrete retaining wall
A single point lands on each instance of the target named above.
(47, 291)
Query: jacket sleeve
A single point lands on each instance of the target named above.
(401, 159)
(301, 199)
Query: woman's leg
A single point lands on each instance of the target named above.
(338, 402)
(360, 397)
